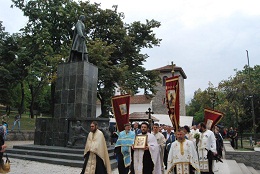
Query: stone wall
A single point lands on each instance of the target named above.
(249, 158)
(20, 136)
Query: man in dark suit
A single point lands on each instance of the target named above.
(170, 138)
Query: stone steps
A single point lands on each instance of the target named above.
(252, 170)
(241, 161)
(244, 168)
(232, 167)
(53, 155)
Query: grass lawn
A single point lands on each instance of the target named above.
(27, 123)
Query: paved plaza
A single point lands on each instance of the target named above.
(19, 166)
(31, 167)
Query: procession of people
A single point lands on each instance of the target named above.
(186, 153)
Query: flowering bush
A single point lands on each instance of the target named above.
(196, 136)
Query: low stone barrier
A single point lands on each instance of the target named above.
(249, 158)
(20, 136)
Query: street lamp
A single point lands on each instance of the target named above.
(252, 99)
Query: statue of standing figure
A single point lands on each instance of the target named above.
(79, 49)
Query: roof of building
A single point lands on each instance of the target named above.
(168, 68)
(141, 116)
(140, 99)
(137, 99)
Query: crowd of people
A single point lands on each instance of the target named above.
(187, 150)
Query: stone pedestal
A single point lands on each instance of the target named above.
(57, 132)
(75, 100)
(76, 90)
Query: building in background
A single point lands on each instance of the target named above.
(141, 103)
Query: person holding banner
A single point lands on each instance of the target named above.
(123, 149)
(206, 149)
(96, 154)
(146, 160)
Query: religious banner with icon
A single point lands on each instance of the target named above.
(212, 118)
(173, 100)
(120, 104)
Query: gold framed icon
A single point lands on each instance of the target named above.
(140, 141)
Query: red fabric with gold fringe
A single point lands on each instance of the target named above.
(173, 100)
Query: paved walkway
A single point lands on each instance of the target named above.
(19, 166)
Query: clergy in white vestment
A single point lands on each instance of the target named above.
(206, 149)
(95, 153)
(182, 158)
(161, 142)
(147, 160)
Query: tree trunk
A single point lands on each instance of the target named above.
(104, 109)
(32, 102)
(236, 114)
(21, 108)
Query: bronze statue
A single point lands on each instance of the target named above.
(79, 50)
(79, 134)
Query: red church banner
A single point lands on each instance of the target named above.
(212, 117)
(120, 106)
(173, 100)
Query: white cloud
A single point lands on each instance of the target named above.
(206, 38)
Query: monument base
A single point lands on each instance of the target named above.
(58, 132)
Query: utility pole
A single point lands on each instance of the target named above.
(252, 99)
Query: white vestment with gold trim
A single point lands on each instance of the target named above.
(182, 155)
(207, 142)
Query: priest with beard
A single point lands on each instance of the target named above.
(147, 160)
(96, 154)
(183, 157)
(123, 149)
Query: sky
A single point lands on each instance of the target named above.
(207, 38)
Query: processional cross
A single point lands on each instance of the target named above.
(149, 112)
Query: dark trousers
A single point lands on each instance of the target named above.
(148, 165)
(165, 158)
(233, 142)
(121, 165)
(210, 159)
(236, 143)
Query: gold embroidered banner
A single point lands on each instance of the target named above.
(212, 117)
(173, 100)
(120, 106)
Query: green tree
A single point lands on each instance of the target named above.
(122, 65)
(202, 100)
(238, 91)
(113, 46)
(47, 38)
